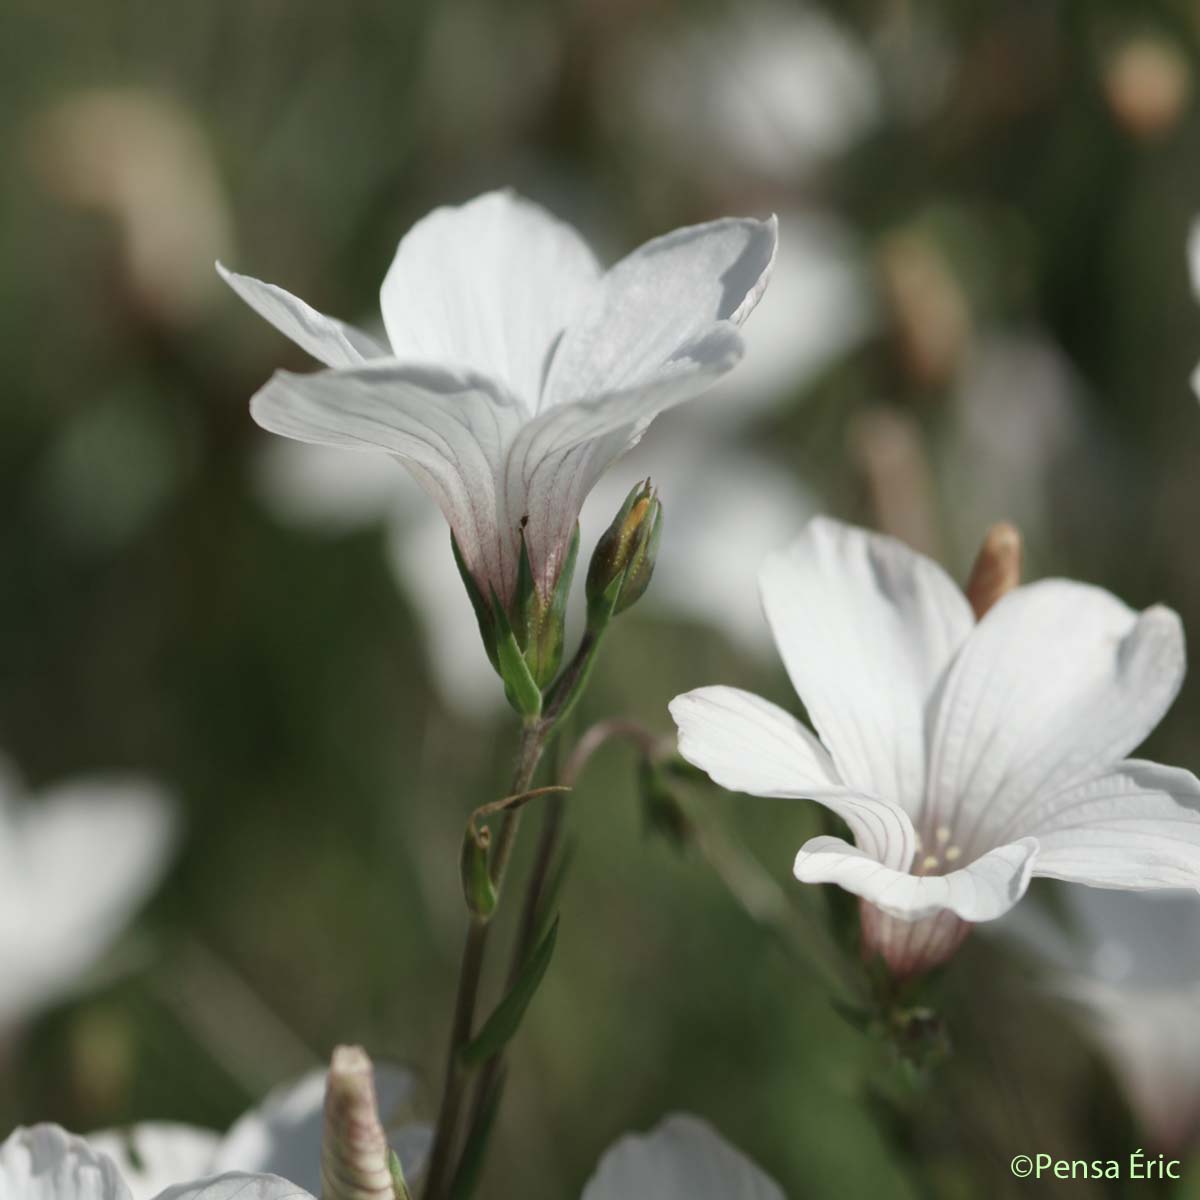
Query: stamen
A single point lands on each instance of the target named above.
(943, 834)
(929, 862)
(953, 853)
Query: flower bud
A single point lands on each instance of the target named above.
(356, 1161)
(997, 568)
(475, 867)
(623, 561)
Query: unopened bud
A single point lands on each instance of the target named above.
(930, 313)
(1148, 83)
(623, 561)
(997, 568)
(478, 888)
(356, 1162)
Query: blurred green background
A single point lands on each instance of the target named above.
(1016, 183)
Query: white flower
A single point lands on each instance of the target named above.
(1132, 963)
(47, 1163)
(963, 757)
(517, 370)
(682, 1159)
(75, 864)
(281, 1136)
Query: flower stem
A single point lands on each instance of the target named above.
(492, 1076)
(470, 972)
(535, 737)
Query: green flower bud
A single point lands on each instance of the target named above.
(623, 561)
(475, 866)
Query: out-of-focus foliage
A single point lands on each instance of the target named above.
(1008, 187)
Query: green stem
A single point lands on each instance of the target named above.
(491, 1077)
(470, 973)
(535, 737)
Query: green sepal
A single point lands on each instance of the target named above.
(546, 647)
(519, 684)
(602, 607)
(399, 1187)
(539, 627)
(475, 867)
(483, 612)
(504, 1022)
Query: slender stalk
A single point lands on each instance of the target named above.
(535, 737)
(470, 972)
(492, 1075)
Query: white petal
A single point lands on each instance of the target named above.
(487, 286)
(283, 1134)
(1058, 681)
(74, 866)
(45, 1162)
(237, 1186)
(328, 340)
(866, 628)
(684, 1158)
(154, 1155)
(452, 429)
(1136, 826)
(982, 891)
(747, 744)
(665, 296)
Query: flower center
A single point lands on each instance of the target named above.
(938, 854)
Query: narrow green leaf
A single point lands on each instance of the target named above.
(504, 1022)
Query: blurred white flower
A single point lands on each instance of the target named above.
(281, 1136)
(964, 757)
(771, 89)
(45, 1162)
(820, 305)
(517, 371)
(683, 1158)
(75, 864)
(1132, 963)
(1016, 417)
